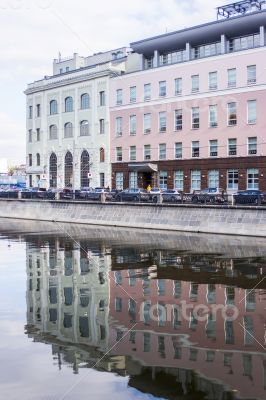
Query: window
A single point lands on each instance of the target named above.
(195, 180)
(38, 110)
(102, 155)
(162, 88)
(84, 128)
(102, 126)
(147, 152)
(252, 112)
(231, 114)
(53, 132)
(213, 178)
(84, 101)
(162, 151)
(232, 147)
(102, 98)
(133, 94)
(231, 77)
(133, 179)
(38, 132)
(147, 123)
(133, 124)
(147, 91)
(68, 104)
(30, 112)
(119, 180)
(38, 159)
(252, 178)
(194, 83)
(53, 107)
(118, 126)
(30, 160)
(68, 170)
(30, 180)
(179, 180)
(252, 145)
(163, 179)
(195, 150)
(68, 130)
(102, 180)
(213, 80)
(251, 74)
(30, 135)
(178, 120)
(84, 169)
(53, 170)
(118, 304)
(132, 153)
(195, 118)
(119, 156)
(162, 121)
(178, 150)
(213, 147)
(232, 179)
(178, 86)
(67, 69)
(213, 116)
(119, 97)
(146, 342)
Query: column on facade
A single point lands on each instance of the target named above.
(156, 59)
(223, 44)
(262, 36)
(188, 51)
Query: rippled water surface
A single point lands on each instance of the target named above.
(94, 313)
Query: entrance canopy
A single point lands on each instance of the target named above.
(145, 167)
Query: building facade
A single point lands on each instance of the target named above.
(192, 116)
(68, 136)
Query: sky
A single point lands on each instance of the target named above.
(33, 32)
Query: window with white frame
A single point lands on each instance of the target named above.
(163, 179)
(195, 118)
(102, 125)
(132, 153)
(252, 145)
(30, 135)
(38, 133)
(195, 149)
(133, 124)
(85, 101)
(147, 152)
(178, 150)
(162, 121)
(53, 132)
(178, 86)
(53, 107)
(119, 97)
(252, 112)
(231, 77)
(213, 80)
(231, 114)
(147, 91)
(213, 116)
(213, 178)
(102, 98)
(178, 120)
(195, 180)
(213, 147)
(68, 130)
(147, 123)
(84, 128)
(194, 83)
(118, 126)
(119, 154)
(162, 151)
(133, 179)
(119, 180)
(30, 112)
(252, 178)
(251, 74)
(232, 147)
(38, 110)
(162, 88)
(179, 180)
(69, 104)
(133, 94)
(232, 179)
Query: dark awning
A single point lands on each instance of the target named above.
(145, 167)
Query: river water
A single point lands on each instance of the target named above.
(96, 313)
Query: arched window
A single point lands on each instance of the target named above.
(68, 130)
(84, 128)
(53, 171)
(38, 159)
(68, 104)
(84, 101)
(102, 155)
(53, 107)
(68, 170)
(84, 169)
(53, 132)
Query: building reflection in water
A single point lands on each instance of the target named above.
(85, 299)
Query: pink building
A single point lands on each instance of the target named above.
(190, 114)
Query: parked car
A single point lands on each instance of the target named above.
(171, 196)
(250, 196)
(153, 194)
(66, 194)
(81, 194)
(209, 195)
(133, 195)
(33, 193)
(96, 193)
(111, 195)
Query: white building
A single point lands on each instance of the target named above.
(68, 138)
